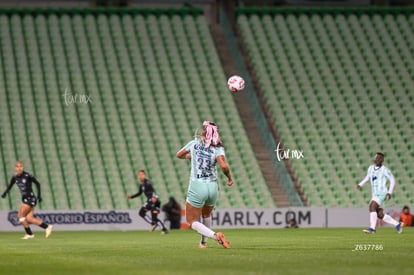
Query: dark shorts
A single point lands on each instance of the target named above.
(149, 205)
(29, 200)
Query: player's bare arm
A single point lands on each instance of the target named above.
(225, 168)
(183, 154)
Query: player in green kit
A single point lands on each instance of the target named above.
(378, 175)
(204, 153)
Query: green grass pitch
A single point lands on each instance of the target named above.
(281, 251)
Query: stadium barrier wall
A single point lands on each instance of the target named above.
(270, 218)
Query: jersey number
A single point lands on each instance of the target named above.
(204, 168)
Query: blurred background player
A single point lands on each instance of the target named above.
(292, 223)
(172, 211)
(406, 217)
(378, 175)
(204, 152)
(24, 181)
(152, 204)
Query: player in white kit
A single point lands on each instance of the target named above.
(378, 175)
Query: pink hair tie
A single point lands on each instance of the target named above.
(212, 135)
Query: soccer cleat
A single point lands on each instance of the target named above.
(399, 227)
(202, 245)
(48, 231)
(369, 231)
(221, 240)
(153, 227)
(27, 236)
(165, 232)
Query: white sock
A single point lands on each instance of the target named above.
(207, 223)
(373, 219)
(390, 220)
(203, 230)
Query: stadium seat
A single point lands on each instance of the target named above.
(152, 78)
(329, 81)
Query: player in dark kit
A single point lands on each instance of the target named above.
(24, 181)
(152, 204)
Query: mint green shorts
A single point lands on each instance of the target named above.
(379, 198)
(202, 193)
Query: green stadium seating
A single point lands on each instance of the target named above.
(339, 87)
(152, 78)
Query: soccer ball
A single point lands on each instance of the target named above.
(236, 83)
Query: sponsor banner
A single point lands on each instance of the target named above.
(356, 217)
(348, 217)
(306, 217)
(129, 219)
(269, 218)
(80, 220)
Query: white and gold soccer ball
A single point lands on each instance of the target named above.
(235, 83)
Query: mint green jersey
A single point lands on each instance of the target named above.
(203, 160)
(378, 177)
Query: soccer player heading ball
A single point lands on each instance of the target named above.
(378, 175)
(204, 153)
